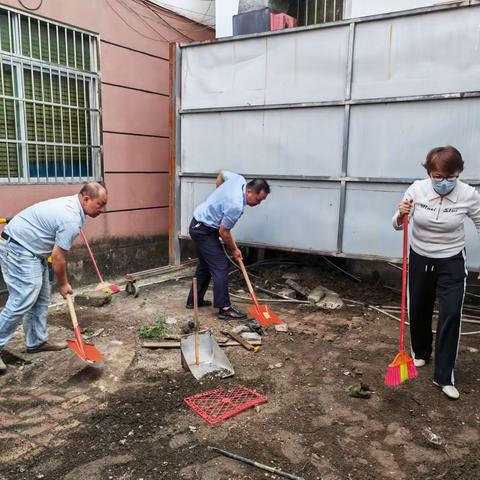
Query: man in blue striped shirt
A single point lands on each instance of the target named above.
(215, 218)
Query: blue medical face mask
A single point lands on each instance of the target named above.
(444, 186)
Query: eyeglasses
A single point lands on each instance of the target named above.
(439, 178)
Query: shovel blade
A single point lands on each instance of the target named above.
(264, 315)
(86, 351)
(211, 357)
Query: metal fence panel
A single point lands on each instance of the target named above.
(392, 140)
(308, 66)
(368, 226)
(279, 214)
(419, 55)
(280, 141)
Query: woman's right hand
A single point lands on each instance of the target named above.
(404, 207)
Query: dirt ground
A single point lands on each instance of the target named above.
(126, 419)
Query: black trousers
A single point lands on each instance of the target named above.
(429, 278)
(212, 263)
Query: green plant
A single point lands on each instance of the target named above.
(157, 331)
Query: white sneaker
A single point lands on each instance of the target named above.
(419, 362)
(449, 390)
(3, 367)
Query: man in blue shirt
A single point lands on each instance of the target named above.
(216, 217)
(42, 230)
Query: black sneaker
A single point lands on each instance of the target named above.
(231, 313)
(201, 303)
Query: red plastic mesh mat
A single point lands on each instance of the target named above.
(217, 405)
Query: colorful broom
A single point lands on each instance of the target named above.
(402, 367)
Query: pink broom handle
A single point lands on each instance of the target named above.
(85, 241)
(404, 281)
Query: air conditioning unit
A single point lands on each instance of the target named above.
(263, 20)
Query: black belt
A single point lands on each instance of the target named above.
(205, 225)
(8, 238)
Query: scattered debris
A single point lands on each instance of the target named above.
(171, 321)
(472, 349)
(254, 326)
(359, 390)
(431, 437)
(240, 329)
(188, 327)
(281, 328)
(287, 293)
(276, 365)
(96, 333)
(291, 276)
(316, 294)
(250, 336)
(303, 291)
(330, 301)
(93, 299)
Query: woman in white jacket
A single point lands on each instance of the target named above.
(437, 207)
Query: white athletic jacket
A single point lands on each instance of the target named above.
(437, 223)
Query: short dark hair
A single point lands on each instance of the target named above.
(92, 189)
(258, 185)
(447, 159)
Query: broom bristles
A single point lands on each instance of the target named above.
(401, 369)
(106, 287)
(392, 377)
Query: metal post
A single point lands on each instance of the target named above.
(175, 154)
(346, 134)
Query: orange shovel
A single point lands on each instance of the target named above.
(86, 351)
(260, 312)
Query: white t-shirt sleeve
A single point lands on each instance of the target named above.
(474, 210)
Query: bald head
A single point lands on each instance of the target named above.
(93, 189)
(93, 197)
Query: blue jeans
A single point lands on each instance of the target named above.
(26, 277)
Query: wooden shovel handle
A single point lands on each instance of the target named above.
(242, 341)
(247, 280)
(71, 309)
(195, 317)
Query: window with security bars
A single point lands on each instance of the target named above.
(311, 12)
(49, 109)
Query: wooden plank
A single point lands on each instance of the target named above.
(230, 343)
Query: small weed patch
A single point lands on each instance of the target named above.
(157, 331)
